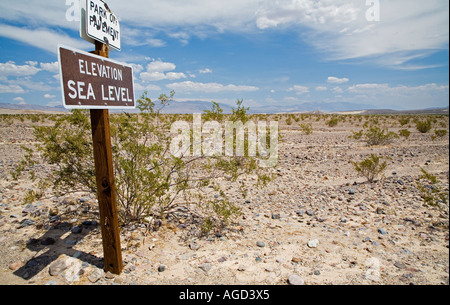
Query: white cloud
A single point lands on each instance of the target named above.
(386, 89)
(321, 88)
(49, 95)
(160, 66)
(339, 28)
(41, 37)
(50, 67)
(189, 86)
(11, 88)
(11, 69)
(156, 76)
(205, 71)
(337, 90)
(335, 80)
(156, 71)
(299, 90)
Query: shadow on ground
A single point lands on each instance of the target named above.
(51, 245)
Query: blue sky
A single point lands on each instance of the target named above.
(271, 53)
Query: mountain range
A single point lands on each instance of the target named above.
(187, 107)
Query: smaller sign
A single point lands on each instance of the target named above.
(89, 81)
(99, 23)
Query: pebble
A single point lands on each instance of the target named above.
(295, 280)
(400, 265)
(15, 265)
(205, 267)
(310, 212)
(382, 231)
(260, 244)
(313, 243)
(26, 223)
(48, 241)
(95, 275)
(57, 267)
(76, 230)
(161, 268)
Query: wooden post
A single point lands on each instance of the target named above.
(106, 190)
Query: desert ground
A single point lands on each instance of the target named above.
(317, 223)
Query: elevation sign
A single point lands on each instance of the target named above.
(89, 81)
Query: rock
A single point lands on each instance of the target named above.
(15, 265)
(53, 211)
(73, 271)
(299, 212)
(351, 192)
(194, 246)
(313, 243)
(310, 212)
(295, 280)
(380, 211)
(222, 259)
(382, 231)
(161, 268)
(76, 230)
(400, 265)
(57, 267)
(95, 275)
(109, 275)
(205, 267)
(48, 241)
(275, 216)
(296, 260)
(260, 244)
(26, 223)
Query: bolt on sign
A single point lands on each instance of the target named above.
(99, 23)
(89, 81)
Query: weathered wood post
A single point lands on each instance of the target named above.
(106, 189)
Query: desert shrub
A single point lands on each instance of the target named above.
(332, 122)
(306, 128)
(289, 120)
(431, 191)
(377, 136)
(215, 114)
(404, 120)
(404, 133)
(149, 180)
(424, 126)
(439, 133)
(370, 167)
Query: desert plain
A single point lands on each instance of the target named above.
(318, 222)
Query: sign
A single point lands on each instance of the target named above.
(99, 23)
(89, 81)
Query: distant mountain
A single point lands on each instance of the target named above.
(188, 107)
(31, 107)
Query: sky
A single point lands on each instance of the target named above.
(270, 53)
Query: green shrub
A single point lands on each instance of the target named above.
(423, 126)
(149, 180)
(377, 136)
(332, 122)
(431, 191)
(370, 167)
(306, 128)
(404, 133)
